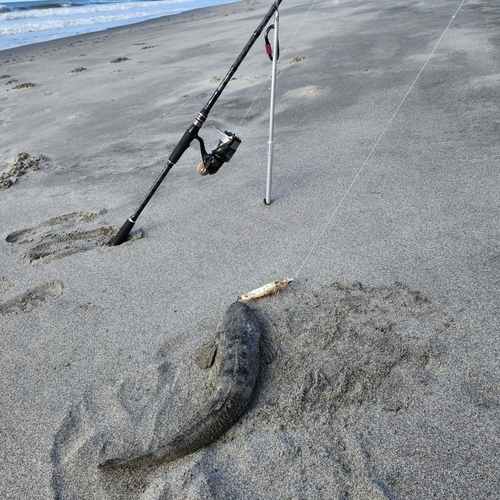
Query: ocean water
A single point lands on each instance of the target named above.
(23, 22)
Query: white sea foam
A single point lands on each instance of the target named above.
(90, 9)
(27, 22)
(54, 24)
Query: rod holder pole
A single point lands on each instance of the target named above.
(270, 143)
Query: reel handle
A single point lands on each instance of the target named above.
(201, 169)
(222, 153)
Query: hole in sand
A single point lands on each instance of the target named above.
(63, 236)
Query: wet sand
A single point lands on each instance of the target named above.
(386, 383)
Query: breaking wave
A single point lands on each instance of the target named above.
(31, 21)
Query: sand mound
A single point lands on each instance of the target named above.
(22, 164)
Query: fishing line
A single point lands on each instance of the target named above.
(270, 74)
(315, 244)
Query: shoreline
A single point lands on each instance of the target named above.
(172, 20)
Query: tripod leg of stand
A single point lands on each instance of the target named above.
(270, 144)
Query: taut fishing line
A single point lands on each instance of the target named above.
(278, 284)
(358, 173)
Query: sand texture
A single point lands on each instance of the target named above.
(385, 210)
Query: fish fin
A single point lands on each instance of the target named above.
(218, 401)
(267, 351)
(204, 355)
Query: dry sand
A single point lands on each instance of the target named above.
(387, 379)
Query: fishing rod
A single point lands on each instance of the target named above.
(211, 162)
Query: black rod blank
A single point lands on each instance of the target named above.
(191, 133)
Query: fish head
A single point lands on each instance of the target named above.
(241, 318)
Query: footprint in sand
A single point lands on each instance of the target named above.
(26, 85)
(4, 286)
(119, 60)
(75, 439)
(124, 414)
(363, 481)
(301, 92)
(296, 59)
(63, 236)
(32, 298)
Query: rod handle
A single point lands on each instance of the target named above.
(123, 233)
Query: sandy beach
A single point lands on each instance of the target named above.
(386, 196)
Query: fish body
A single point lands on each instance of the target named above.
(237, 351)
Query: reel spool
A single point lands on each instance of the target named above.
(223, 152)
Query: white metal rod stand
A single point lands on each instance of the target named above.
(270, 143)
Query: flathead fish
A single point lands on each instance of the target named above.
(237, 351)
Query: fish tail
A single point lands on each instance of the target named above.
(126, 461)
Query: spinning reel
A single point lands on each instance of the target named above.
(226, 147)
(223, 152)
